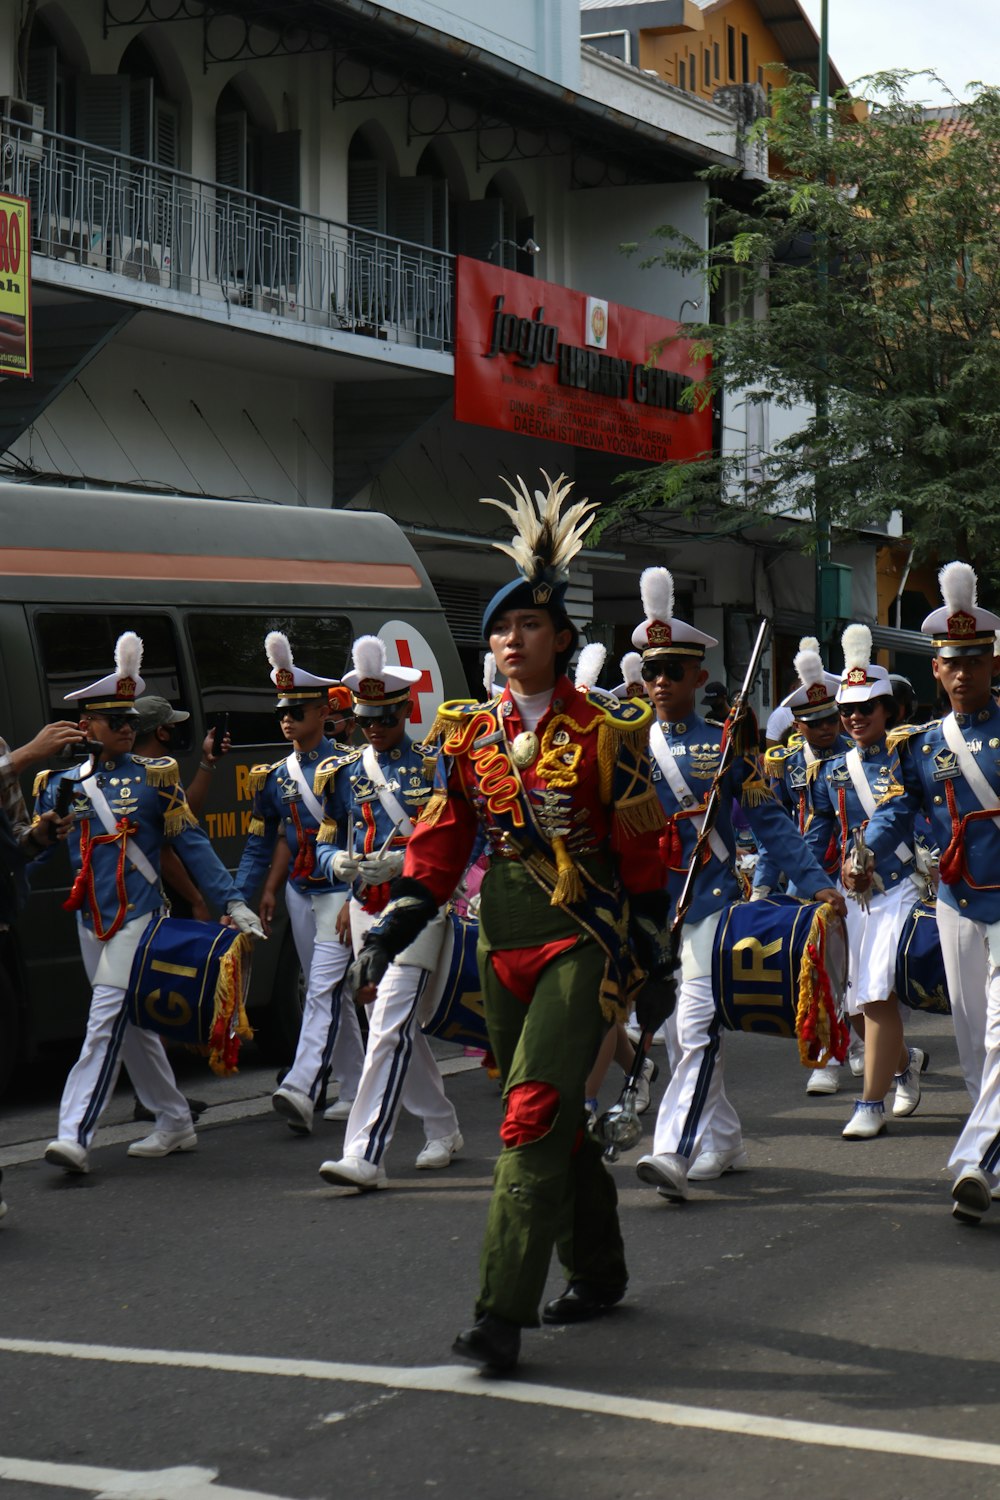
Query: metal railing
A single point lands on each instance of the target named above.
(164, 228)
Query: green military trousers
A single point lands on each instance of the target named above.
(552, 1191)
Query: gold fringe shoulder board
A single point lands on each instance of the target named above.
(258, 775)
(161, 770)
(904, 732)
(627, 715)
(40, 783)
(328, 768)
(775, 758)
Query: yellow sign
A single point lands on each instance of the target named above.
(15, 286)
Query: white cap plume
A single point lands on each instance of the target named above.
(128, 654)
(656, 590)
(489, 673)
(278, 650)
(959, 587)
(631, 667)
(589, 666)
(369, 656)
(809, 665)
(857, 646)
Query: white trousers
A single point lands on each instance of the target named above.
(330, 1036)
(111, 1040)
(979, 1143)
(399, 1069)
(695, 1115)
(724, 1116)
(972, 981)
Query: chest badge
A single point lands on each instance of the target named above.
(524, 750)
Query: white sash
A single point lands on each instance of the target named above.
(132, 852)
(866, 797)
(809, 754)
(981, 789)
(294, 768)
(672, 774)
(390, 803)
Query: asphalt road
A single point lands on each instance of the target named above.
(223, 1324)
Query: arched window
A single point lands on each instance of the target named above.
(492, 227)
(249, 153)
(130, 111)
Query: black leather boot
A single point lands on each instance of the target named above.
(579, 1303)
(491, 1342)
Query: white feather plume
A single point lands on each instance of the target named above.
(656, 590)
(489, 673)
(809, 643)
(128, 655)
(589, 666)
(809, 665)
(279, 652)
(959, 587)
(857, 646)
(631, 667)
(369, 656)
(544, 541)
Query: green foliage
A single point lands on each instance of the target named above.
(873, 266)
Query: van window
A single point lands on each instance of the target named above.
(78, 648)
(234, 674)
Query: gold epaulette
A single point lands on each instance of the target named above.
(256, 827)
(177, 819)
(774, 760)
(450, 716)
(904, 732)
(328, 768)
(161, 770)
(327, 831)
(40, 783)
(258, 775)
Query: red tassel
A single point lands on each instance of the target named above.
(671, 849)
(950, 865)
(78, 892)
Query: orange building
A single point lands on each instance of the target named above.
(701, 46)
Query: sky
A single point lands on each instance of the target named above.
(960, 40)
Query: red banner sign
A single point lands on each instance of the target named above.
(551, 363)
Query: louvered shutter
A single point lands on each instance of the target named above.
(279, 167)
(278, 233)
(231, 149)
(102, 113)
(166, 144)
(366, 194)
(40, 84)
(141, 107)
(410, 209)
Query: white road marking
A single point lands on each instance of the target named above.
(187, 1483)
(456, 1380)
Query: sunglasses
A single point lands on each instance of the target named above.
(116, 721)
(378, 721)
(294, 711)
(863, 710)
(671, 667)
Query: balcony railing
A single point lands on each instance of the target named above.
(164, 228)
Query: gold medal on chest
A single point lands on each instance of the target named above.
(524, 750)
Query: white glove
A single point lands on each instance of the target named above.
(375, 869)
(245, 919)
(760, 893)
(345, 866)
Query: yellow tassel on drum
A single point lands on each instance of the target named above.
(229, 1022)
(569, 886)
(432, 809)
(327, 831)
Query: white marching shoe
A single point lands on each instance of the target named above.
(867, 1121)
(294, 1107)
(164, 1142)
(972, 1195)
(908, 1084)
(69, 1155)
(668, 1175)
(438, 1153)
(856, 1055)
(824, 1080)
(340, 1109)
(650, 1073)
(354, 1171)
(712, 1164)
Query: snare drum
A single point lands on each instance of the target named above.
(454, 1002)
(775, 958)
(920, 978)
(189, 983)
